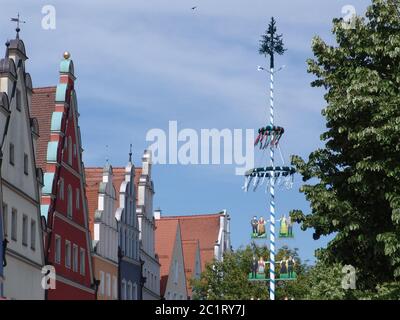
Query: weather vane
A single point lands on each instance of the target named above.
(18, 21)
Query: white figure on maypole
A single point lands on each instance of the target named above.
(269, 137)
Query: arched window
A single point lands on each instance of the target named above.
(70, 202)
(61, 189)
(70, 150)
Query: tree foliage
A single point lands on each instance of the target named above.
(271, 42)
(357, 191)
(227, 279)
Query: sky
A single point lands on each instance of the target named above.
(140, 64)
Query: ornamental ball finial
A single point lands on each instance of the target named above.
(67, 55)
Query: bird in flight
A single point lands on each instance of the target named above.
(193, 8)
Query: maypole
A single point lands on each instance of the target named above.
(272, 195)
(269, 136)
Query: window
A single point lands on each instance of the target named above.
(115, 288)
(123, 290)
(18, 99)
(75, 258)
(24, 230)
(134, 293)
(57, 254)
(26, 164)
(68, 254)
(61, 189)
(129, 297)
(69, 151)
(75, 152)
(77, 201)
(108, 284)
(14, 224)
(69, 204)
(5, 219)
(12, 155)
(101, 283)
(82, 261)
(33, 234)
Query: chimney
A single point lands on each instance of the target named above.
(157, 214)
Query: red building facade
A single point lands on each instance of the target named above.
(63, 203)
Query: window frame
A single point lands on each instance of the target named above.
(5, 219)
(75, 258)
(24, 230)
(26, 164)
(33, 234)
(68, 253)
(14, 224)
(57, 249)
(82, 261)
(12, 154)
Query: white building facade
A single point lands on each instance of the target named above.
(20, 182)
(144, 210)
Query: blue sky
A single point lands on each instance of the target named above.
(140, 64)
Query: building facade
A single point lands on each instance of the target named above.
(145, 192)
(20, 181)
(102, 202)
(4, 120)
(63, 204)
(130, 266)
(170, 252)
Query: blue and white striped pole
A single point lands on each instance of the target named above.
(272, 201)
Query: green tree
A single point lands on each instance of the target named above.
(354, 190)
(271, 43)
(228, 279)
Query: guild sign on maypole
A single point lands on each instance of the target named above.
(269, 137)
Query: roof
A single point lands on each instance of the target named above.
(93, 178)
(189, 248)
(42, 107)
(7, 65)
(165, 238)
(203, 227)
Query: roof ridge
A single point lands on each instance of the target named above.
(192, 216)
(45, 88)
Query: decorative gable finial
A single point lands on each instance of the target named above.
(7, 46)
(130, 153)
(107, 155)
(66, 55)
(18, 21)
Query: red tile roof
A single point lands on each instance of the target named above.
(189, 254)
(205, 228)
(43, 105)
(93, 178)
(165, 237)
